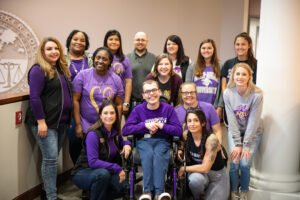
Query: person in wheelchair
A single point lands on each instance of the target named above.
(98, 168)
(204, 165)
(153, 123)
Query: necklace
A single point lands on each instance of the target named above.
(74, 67)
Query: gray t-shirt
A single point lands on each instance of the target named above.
(141, 66)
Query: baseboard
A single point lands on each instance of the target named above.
(36, 191)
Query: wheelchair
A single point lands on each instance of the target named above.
(131, 167)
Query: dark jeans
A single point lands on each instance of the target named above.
(102, 184)
(75, 143)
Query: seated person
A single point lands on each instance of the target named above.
(205, 165)
(98, 168)
(188, 98)
(153, 123)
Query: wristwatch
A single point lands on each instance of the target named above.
(126, 104)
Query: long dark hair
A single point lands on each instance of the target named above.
(99, 123)
(250, 55)
(205, 133)
(119, 53)
(180, 57)
(200, 64)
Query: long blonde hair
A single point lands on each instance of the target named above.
(251, 87)
(45, 65)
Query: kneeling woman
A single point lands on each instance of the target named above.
(98, 168)
(205, 165)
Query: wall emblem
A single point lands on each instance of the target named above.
(18, 46)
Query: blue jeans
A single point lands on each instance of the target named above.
(102, 184)
(215, 184)
(75, 143)
(243, 167)
(50, 147)
(155, 156)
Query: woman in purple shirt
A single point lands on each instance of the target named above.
(206, 75)
(99, 166)
(120, 64)
(50, 107)
(78, 59)
(91, 87)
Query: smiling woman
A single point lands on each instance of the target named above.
(49, 82)
(168, 81)
(78, 59)
(91, 87)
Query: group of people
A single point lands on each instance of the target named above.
(86, 95)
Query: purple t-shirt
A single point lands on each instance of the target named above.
(122, 69)
(77, 65)
(165, 113)
(207, 86)
(210, 114)
(92, 150)
(94, 89)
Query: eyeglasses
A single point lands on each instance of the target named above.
(140, 40)
(149, 91)
(193, 110)
(188, 93)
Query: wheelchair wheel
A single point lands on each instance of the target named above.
(182, 188)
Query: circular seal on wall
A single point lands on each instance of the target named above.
(18, 46)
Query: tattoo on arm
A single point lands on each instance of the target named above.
(213, 144)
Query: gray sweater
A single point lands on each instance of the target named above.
(244, 115)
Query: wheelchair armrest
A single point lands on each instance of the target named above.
(130, 138)
(176, 138)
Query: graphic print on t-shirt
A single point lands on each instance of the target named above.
(241, 112)
(105, 92)
(207, 86)
(118, 68)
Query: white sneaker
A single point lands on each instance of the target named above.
(145, 196)
(164, 196)
(243, 195)
(234, 196)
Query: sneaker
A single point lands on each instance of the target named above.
(234, 196)
(145, 196)
(164, 196)
(243, 195)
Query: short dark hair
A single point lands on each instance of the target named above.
(110, 55)
(87, 42)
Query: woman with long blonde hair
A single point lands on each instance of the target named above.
(50, 106)
(243, 103)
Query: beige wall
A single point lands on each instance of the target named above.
(193, 20)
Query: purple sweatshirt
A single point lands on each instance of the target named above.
(209, 111)
(92, 150)
(135, 124)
